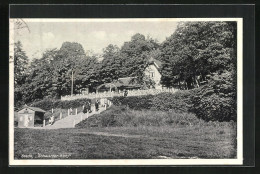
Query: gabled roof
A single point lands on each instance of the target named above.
(126, 80)
(157, 63)
(129, 82)
(34, 109)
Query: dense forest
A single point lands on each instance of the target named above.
(196, 52)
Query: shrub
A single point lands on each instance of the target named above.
(134, 102)
(179, 101)
(216, 101)
(48, 104)
(118, 116)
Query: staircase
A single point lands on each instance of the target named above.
(71, 120)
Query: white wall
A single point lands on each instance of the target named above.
(157, 75)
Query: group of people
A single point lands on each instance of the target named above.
(87, 106)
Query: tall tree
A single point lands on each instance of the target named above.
(198, 48)
(20, 72)
(110, 67)
(20, 63)
(135, 54)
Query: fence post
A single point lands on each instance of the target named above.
(43, 123)
(51, 110)
(87, 114)
(105, 106)
(60, 115)
(76, 111)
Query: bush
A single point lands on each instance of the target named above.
(179, 101)
(120, 116)
(216, 101)
(48, 104)
(134, 102)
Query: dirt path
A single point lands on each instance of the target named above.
(113, 135)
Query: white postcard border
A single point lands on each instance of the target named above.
(96, 162)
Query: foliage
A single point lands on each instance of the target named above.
(118, 116)
(134, 102)
(48, 104)
(20, 63)
(198, 49)
(147, 82)
(217, 99)
(195, 49)
(50, 76)
(20, 72)
(135, 55)
(111, 65)
(177, 102)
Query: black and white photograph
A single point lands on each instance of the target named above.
(128, 91)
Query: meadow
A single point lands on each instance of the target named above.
(123, 133)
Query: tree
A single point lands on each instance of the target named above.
(20, 72)
(136, 53)
(39, 83)
(50, 76)
(198, 49)
(88, 74)
(69, 59)
(20, 63)
(216, 101)
(110, 67)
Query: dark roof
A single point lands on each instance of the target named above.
(35, 109)
(155, 61)
(127, 82)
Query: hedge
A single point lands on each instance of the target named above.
(48, 104)
(214, 101)
(134, 102)
(179, 101)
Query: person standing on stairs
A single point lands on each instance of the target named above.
(97, 105)
(51, 120)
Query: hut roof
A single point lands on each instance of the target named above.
(127, 82)
(34, 109)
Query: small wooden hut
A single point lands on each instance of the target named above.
(30, 117)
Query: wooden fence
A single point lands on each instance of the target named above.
(113, 94)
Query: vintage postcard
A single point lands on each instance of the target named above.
(128, 91)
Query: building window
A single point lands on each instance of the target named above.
(151, 74)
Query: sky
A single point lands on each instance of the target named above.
(91, 34)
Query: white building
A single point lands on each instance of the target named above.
(153, 71)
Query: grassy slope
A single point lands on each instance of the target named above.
(208, 140)
(82, 144)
